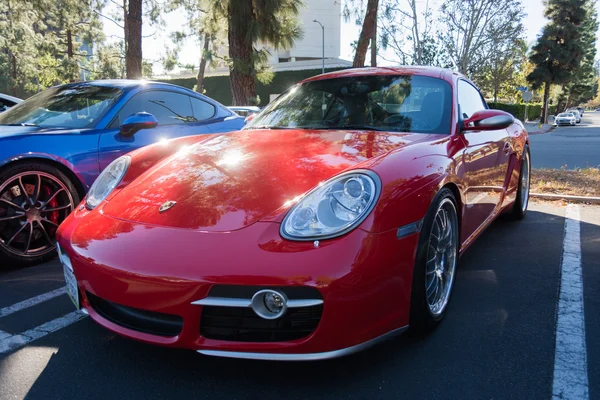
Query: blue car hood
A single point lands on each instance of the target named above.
(11, 131)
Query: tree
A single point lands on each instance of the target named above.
(475, 28)
(129, 16)
(499, 76)
(133, 38)
(204, 27)
(402, 21)
(558, 51)
(250, 22)
(368, 33)
(42, 44)
(583, 85)
(70, 27)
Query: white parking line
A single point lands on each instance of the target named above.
(570, 359)
(31, 302)
(15, 341)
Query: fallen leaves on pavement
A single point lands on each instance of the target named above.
(579, 182)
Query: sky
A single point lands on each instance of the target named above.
(154, 46)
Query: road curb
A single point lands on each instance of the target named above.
(584, 199)
(550, 129)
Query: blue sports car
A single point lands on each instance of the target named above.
(54, 145)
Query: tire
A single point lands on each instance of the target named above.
(519, 209)
(423, 315)
(34, 199)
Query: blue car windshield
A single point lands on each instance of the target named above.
(77, 107)
(396, 103)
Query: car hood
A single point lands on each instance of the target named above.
(12, 131)
(234, 180)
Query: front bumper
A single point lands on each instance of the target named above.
(364, 281)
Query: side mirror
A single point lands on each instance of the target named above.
(488, 120)
(137, 121)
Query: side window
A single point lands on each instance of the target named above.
(469, 99)
(169, 108)
(202, 110)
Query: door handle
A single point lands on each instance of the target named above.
(508, 149)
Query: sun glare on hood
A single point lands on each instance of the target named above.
(232, 158)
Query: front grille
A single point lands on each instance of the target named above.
(243, 325)
(135, 319)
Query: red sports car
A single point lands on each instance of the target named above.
(334, 220)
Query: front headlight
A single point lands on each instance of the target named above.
(333, 208)
(107, 181)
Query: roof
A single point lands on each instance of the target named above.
(400, 70)
(10, 98)
(122, 83)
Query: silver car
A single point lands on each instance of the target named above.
(566, 118)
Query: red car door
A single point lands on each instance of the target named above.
(485, 160)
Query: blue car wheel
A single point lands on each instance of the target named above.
(34, 199)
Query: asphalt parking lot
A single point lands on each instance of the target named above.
(569, 146)
(498, 341)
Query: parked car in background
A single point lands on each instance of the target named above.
(55, 144)
(7, 102)
(566, 118)
(576, 113)
(244, 111)
(581, 110)
(333, 221)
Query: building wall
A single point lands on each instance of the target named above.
(329, 13)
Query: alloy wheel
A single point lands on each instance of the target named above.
(525, 181)
(441, 257)
(32, 205)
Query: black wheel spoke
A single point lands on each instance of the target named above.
(16, 234)
(59, 208)
(49, 222)
(29, 238)
(52, 197)
(38, 188)
(16, 216)
(23, 191)
(13, 205)
(45, 232)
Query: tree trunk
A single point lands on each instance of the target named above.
(200, 77)
(14, 74)
(241, 71)
(544, 117)
(133, 40)
(374, 44)
(368, 28)
(125, 30)
(72, 68)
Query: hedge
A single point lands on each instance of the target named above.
(534, 111)
(218, 87)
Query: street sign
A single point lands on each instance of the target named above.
(527, 96)
(522, 88)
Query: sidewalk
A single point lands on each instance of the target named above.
(533, 128)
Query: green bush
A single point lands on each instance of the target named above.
(534, 111)
(219, 88)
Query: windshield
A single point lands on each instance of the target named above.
(77, 107)
(384, 102)
(565, 115)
